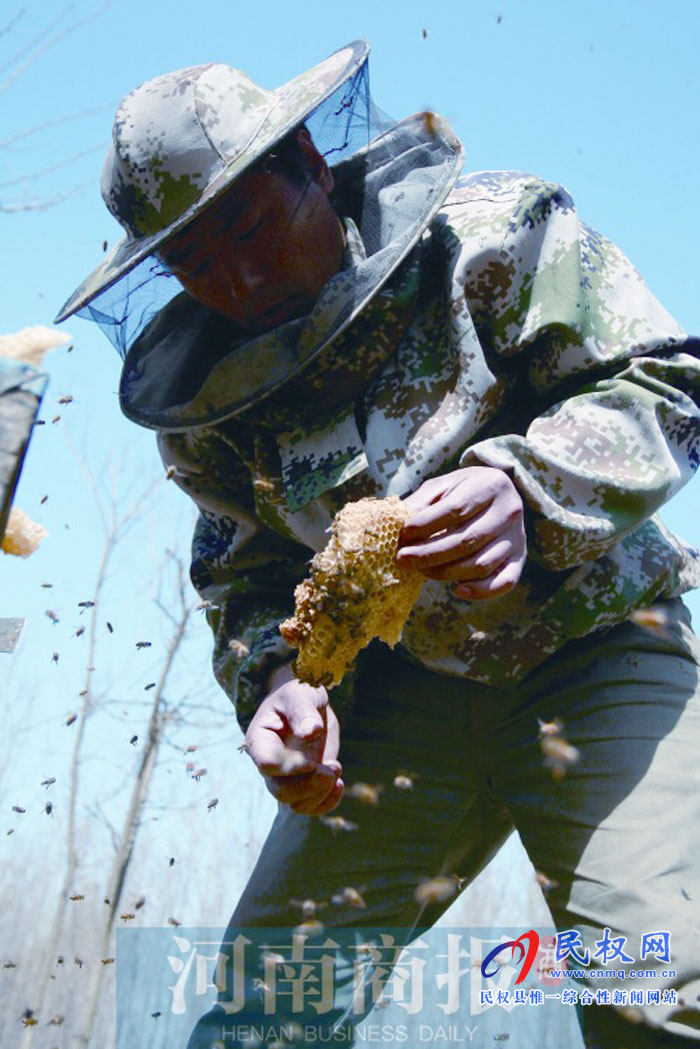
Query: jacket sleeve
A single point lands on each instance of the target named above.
(245, 570)
(616, 381)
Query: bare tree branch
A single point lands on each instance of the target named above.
(34, 56)
(12, 23)
(23, 179)
(35, 40)
(47, 202)
(7, 143)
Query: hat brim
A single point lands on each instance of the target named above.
(130, 251)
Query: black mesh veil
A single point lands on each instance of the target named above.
(342, 126)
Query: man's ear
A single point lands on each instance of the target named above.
(315, 163)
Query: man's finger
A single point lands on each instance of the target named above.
(501, 582)
(330, 802)
(455, 508)
(442, 549)
(479, 566)
(305, 713)
(332, 742)
(294, 790)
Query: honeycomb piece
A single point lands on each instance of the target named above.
(356, 592)
(22, 535)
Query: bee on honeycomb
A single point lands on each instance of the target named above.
(356, 592)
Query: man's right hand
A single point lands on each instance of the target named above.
(294, 740)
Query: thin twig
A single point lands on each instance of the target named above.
(13, 22)
(50, 43)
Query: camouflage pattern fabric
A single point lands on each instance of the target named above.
(534, 347)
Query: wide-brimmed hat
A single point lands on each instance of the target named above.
(180, 140)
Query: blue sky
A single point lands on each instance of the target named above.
(602, 97)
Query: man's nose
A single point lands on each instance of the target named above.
(244, 277)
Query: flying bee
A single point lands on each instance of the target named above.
(366, 793)
(9, 965)
(402, 781)
(238, 648)
(79, 632)
(436, 890)
(559, 755)
(550, 728)
(54, 658)
(293, 761)
(143, 644)
(127, 917)
(190, 749)
(107, 961)
(48, 808)
(198, 774)
(77, 896)
(150, 685)
(174, 921)
(337, 823)
(349, 896)
(308, 907)
(18, 808)
(66, 399)
(42, 501)
(212, 804)
(310, 927)
(50, 614)
(86, 604)
(655, 620)
(430, 122)
(133, 740)
(170, 472)
(545, 882)
(110, 627)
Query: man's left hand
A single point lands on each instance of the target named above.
(467, 526)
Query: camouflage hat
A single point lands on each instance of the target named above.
(180, 140)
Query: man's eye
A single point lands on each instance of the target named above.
(250, 231)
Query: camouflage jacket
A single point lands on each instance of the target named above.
(513, 336)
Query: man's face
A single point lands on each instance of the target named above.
(263, 252)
